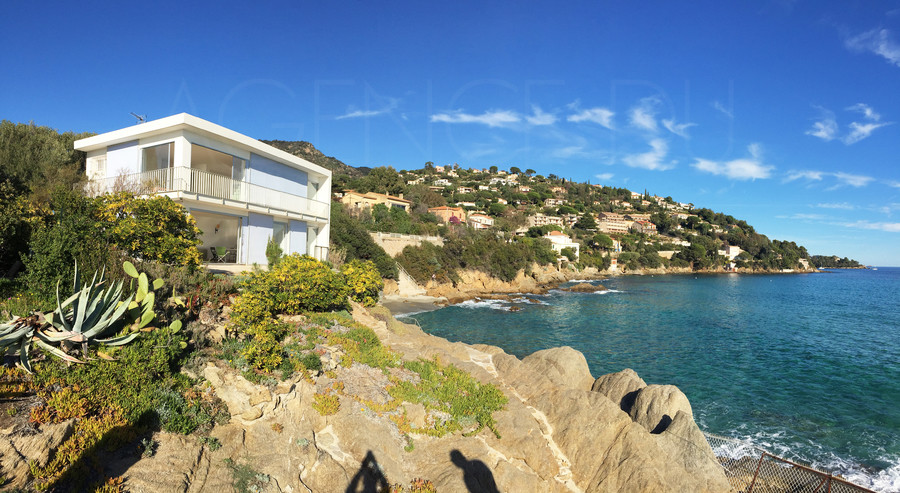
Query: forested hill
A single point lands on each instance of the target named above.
(307, 151)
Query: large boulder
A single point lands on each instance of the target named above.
(686, 446)
(564, 366)
(656, 405)
(23, 445)
(621, 387)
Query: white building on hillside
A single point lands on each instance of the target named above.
(560, 240)
(240, 191)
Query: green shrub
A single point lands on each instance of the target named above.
(363, 281)
(70, 234)
(297, 284)
(347, 233)
(311, 362)
(154, 228)
(273, 252)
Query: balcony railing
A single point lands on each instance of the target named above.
(181, 179)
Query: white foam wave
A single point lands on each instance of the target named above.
(885, 481)
(492, 304)
(605, 291)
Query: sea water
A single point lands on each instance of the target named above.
(804, 365)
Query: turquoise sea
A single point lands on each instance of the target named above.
(804, 365)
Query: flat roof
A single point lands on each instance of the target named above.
(190, 122)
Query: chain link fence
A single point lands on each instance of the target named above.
(751, 469)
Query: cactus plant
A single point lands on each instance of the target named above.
(92, 312)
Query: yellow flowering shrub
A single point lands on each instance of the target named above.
(363, 281)
(154, 228)
(297, 284)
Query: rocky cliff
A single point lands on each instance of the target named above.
(562, 430)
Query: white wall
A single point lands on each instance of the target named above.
(270, 174)
(298, 234)
(123, 159)
(259, 231)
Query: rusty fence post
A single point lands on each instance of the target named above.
(755, 474)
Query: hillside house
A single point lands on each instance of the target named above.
(240, 191)
(612, 223)
(560, 240)
(553, 202)
(356, 200)
(448, 214)
(543, 220)
(480, 221)
(645, 227)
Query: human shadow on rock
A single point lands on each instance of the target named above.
(476, 474)
(369, 478)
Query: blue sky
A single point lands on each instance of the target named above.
(783, 113)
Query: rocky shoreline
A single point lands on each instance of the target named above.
(561, 430)
(475, 284)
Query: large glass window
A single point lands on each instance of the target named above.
(158, 156)
(280, 235)
(212, 161)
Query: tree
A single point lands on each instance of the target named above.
(586, 222)
(349, 235)
(602, 241)
(493, 170)
(529, 172)
(384, 179)
(514, 170)
(153, 229)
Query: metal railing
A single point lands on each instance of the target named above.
(210, 185)
(320, 253)
(752, 469)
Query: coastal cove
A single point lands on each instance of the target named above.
(803, 365)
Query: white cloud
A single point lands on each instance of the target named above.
(599, 115)
(826, 128)
(866, 111)
(806, 175)
(842, 205)
(843, 179)
(877, 41)
(392, 104)
(570, 151)
(751, 168)
(859, 131)
(895, 184)
(539, 117)
(604, 176)
(853, 180)
(879, 226)
(652, 159)
(643, 115)
(495, 118)
(679, 129)
(722, 109)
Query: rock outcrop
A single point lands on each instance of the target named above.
(24, 444)
(621, 387)
(557, 435)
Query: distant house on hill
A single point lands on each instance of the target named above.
(543, 220)
(358, 200)
(645, 227)
(612, 223)
(480, 221)
(560, 240)
(447, 214)
(240, 191)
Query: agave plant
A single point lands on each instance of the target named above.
(84, 318)
(17, 334)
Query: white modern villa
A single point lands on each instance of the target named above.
(240, 191)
